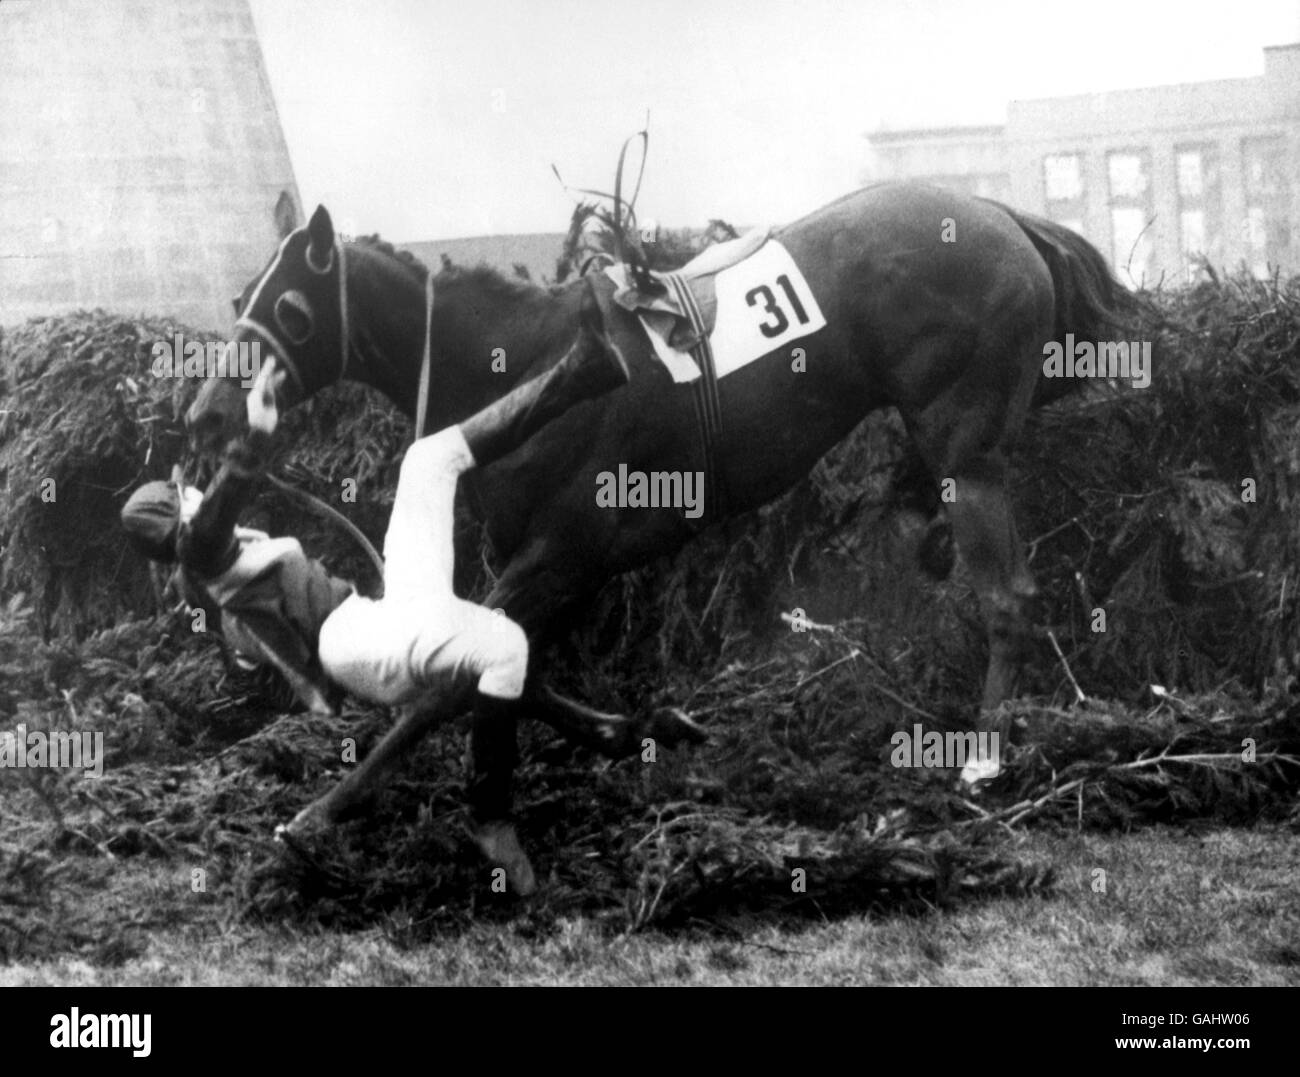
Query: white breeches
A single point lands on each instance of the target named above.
(420, 637)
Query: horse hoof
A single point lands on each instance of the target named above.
(308, 823)
(499, 844)
(672, 725)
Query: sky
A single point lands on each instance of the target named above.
(427, 119)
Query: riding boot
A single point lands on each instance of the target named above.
(493, 755)
(591, 368)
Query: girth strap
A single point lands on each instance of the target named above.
(708, 407)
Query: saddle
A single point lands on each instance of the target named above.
(674, 328)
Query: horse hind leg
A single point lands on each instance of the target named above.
(913, 492)
(984, 531)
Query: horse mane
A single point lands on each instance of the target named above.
(483, 276)
(492, 281)
(375, 242)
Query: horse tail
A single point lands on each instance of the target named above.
(1090, 302)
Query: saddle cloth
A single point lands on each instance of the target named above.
(743, 272)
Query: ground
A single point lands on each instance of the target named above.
(1182, 906)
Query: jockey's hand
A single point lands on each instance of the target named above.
(263, 412)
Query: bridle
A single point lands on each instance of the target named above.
(346, 350)
(426, 354)
(338, 254)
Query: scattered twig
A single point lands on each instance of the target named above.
(855, 653)
(1078, 692)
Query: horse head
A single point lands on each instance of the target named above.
(295, 310)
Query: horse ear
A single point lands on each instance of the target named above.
(285, 214)
(321, 230)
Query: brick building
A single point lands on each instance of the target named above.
(1162, 179)
(140, 156)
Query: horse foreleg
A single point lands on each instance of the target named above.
(615, 736)
(357, 787)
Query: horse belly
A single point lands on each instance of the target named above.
(781, 414)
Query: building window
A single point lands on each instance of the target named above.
(1128, 176)
(1132, 249)
(1063, 189)
(1200, 208)
(1062, 177)
(1267, 226)
(1191, 175)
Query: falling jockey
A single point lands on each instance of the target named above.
(279, 607)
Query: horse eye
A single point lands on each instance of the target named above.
(293, 313)
(237, 301)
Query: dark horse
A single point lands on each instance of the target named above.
(936, 303)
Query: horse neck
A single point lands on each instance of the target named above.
(487, 334)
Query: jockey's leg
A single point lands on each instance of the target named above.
(419, 549)
(591, 368)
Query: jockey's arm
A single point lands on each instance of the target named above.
(206, 543)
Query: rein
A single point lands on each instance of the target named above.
(421, 407)
(426, 361)
(636, 264)
(316, 505)
(621, 218)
